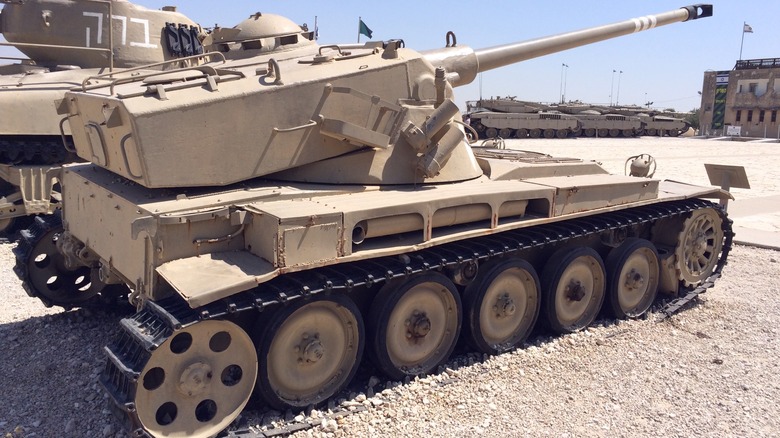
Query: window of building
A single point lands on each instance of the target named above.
(753, 87)
(750, 115)
(774, 116)
(739, 115)
(761, 116)
(740, 88)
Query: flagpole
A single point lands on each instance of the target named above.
(360, 18)
(743, 40)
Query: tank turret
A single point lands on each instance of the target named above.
(76, 33)
(358, 118)
(279, 216)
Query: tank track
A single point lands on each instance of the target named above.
(25, 250)
(34, 150)
(142, 333)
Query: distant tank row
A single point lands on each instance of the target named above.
(510, 118)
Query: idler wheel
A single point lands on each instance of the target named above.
(309, 351)
(698, 246)
(414, 325)
(501, 305)
(198, 381)
(573, 285)
(633, 274)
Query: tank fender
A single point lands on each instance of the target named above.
(203, 279)
(680, 190)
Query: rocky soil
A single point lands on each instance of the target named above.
(710, 370)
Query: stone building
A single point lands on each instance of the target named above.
(743, 101)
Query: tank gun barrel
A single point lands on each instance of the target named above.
(464, 63)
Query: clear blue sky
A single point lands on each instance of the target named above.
(663, 65)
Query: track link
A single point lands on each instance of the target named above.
(34, 150)
(142, 333)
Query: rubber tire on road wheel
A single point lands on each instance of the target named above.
(640, 258)
(325, 314)
(566, 264)
(430, 292)
(514, 283)
(521, 133)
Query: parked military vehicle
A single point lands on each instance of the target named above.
(663, 126)
(595, 124)
(595, 120)
(547, 124)
(281, 215)
(66, 42)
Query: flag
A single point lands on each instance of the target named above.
(747, 29)
(363, 29)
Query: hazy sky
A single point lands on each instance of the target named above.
(663, 65)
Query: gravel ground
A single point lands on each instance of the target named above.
(708, 371)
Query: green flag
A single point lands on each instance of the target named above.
(363, 29)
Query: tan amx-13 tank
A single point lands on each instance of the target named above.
(280, 215)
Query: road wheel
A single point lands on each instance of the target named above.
(414, 325)
(562, 133)
(573, 285)
(614, 132)
(674, 132)
(198, 381)
(652, 132)
(491, 132)
(549, 133)
(501, 305)
(535, 133)
(603, 132)
(590, 132)
(521, 133)
(628, 133)
(699, 245)
(309, 351)
(505, 133)
(632, 278)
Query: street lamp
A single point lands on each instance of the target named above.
(612, 87)
(617, 100)
(564, 71)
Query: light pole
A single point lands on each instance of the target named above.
(617, 99)
(612, 87)
(564, 70)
